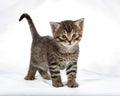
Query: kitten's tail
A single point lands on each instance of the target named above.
(31, 25)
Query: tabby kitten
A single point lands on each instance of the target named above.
(51, 54)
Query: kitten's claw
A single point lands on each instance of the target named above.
(72, 84)
(29, 78)
(58, 84)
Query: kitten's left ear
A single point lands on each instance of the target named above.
(79, 22)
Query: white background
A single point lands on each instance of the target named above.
(99, 48)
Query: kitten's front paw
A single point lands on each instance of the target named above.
(29, 78)
(57, 84)
(72, 84)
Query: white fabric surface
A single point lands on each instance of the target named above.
(99, 61)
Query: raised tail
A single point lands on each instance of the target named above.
(31, 25)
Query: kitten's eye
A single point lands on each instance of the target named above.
(64, 36)
(74, 35)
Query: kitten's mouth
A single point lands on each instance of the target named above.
(69, 44)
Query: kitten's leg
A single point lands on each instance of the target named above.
(55, 75)
(31, 73)
(44, 74)
(71, 73)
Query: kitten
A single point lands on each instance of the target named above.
(52, 54)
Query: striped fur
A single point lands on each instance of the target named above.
(52, 54)
(68, 25)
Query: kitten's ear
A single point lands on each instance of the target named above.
(79, 22)
(54, 26)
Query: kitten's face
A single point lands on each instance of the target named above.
(68, 33)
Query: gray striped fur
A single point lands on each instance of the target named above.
(49, 55)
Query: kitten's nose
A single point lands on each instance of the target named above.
(69, 42)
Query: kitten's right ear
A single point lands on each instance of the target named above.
(54, 26)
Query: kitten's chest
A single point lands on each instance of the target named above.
(64, 60)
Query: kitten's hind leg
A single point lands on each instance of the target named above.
(31, 73)
(44, 74)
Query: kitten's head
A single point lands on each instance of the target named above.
(68, 32)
